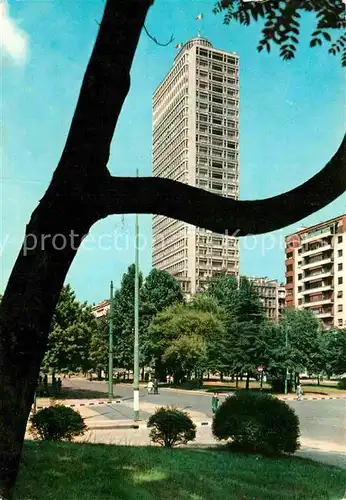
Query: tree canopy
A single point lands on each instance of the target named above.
(70, 335)
(282, 23)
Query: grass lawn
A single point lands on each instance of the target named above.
(71, 471)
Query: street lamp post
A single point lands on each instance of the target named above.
(110, 347)
(286, 375)
(136, 339)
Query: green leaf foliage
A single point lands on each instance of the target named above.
(171, 427)
(257, 423)
(281, 21)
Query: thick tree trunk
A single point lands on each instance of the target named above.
(71, 205)
(83, 192)
(247, 386)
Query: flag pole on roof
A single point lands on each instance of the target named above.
(200, 17)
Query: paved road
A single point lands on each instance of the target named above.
(321, 420)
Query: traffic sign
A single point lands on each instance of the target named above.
(260, 368)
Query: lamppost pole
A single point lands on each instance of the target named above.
(110, 347)
(286, 375)
(136, 339)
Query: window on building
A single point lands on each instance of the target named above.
(340, 281)
(340, 308)
(339, 322)
(289, 279)
(339, 294)
(289, 255)
(340, 267)
(300, 276)
(217, 57)
(289, 268)
(339, 239)
(339, 253)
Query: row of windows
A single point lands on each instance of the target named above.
(216, 66)
(170, 123)
(223, 252)
(217, 152)
(216, 186)
(179, 68)
(215, 119)
(175, 104)
(216, 97)
(164, 227)
(216, 56)
(205, 76)
(171, 267)
(179, 142)
(165, 142)
(178, 165)
(179, 102)
(217, 174)
(179, 90)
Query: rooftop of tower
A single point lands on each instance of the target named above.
(197, 40)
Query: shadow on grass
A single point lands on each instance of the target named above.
(49, 472)
(71, 393)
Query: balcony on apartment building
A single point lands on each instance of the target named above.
(316, 247)
(321, 272)
(323, 313)
(319, 235)
(322, 300)
(317, 286)
(320, 259)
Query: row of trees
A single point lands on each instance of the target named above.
(223, 330)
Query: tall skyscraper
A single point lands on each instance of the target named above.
(316, 271)
(196, 141)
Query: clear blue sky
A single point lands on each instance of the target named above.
(292, 121)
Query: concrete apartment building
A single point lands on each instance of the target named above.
(316, 271)
(196, 141)
(272, 295)
(101, 309)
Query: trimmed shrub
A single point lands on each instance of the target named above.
(257, 423)
(170, 427)
(342, 383)
(57, 423)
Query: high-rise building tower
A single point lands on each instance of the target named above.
(196, 141)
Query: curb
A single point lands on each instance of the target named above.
(114, 425)
(311, 398)
(94, 403)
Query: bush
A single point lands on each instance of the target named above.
(257, 423)
(57, 423)
(342, 383)
(170, 426)
(192, 384)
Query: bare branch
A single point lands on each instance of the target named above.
(155, 39)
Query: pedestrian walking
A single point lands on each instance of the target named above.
(156, 386)
(299, 392)
(150, 387)
(215, 402)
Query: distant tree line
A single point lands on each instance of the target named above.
(223, 330)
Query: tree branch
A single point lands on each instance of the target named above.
(155, 39)
(203, 209)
